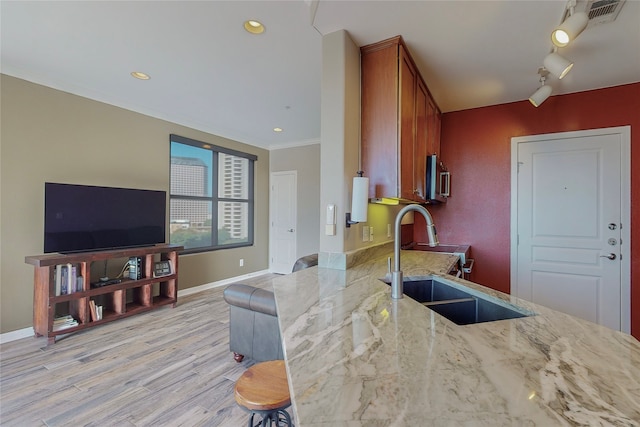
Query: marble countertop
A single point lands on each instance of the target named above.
(356, 357)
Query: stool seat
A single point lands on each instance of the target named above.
(263, 387)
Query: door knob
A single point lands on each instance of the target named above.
(610, 256)
(291, 231)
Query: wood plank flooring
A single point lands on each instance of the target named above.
(169, 367)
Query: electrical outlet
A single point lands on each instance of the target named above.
(365, 233)
(371, 234)
(241, 262)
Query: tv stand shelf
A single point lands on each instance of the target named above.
(123, 299)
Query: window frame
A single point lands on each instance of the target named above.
(215, 199)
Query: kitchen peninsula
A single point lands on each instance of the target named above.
(356, 357)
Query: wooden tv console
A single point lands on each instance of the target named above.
(126, 298)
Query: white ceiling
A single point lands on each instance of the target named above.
(209, 74)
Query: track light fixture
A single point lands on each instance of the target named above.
(553, 63)
(571, 28)
(557, 65)
(543, 92)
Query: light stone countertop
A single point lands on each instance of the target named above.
(355, 357)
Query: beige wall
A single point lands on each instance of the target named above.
(49, 135)
(340, 130)
(305, 160)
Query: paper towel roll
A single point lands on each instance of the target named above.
(360, 199)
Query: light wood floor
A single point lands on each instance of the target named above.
(169, 367)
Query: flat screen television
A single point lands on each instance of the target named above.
(84, 218)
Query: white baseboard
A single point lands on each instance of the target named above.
(219, 283)
(28, 332)
(16, 335)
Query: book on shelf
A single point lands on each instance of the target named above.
(58, 280)
(95, 311)
(63, 319)
(64, 322)
(92, 309)
(67, 280)
(79, 284)
(72, 273)
(64, 280)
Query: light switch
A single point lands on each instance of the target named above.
(330, 229)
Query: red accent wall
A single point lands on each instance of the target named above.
(476, 148)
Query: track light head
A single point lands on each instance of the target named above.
(571, 28)
(540, 95)
(557, 65)
(543, 92)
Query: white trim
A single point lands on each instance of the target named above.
(293, 144)
(16, 335)
(625, 209)
(28, 332)
(217, 284)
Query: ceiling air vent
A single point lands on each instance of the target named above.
(601, 11)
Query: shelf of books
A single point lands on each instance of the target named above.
(67, 298)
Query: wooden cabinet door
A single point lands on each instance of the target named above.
(433, 127)
(420, 148)
(407, 125)
(437, 123)
(379, 119)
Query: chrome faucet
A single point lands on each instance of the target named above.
(396, 275)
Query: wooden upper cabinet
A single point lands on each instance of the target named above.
(407, 117)
(421, 145)
(433, 127)
(395, 120)
(379, 118)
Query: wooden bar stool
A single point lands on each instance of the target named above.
(263, 390)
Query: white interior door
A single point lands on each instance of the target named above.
(569, 207)
(283, 202)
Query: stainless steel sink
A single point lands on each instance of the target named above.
(458, 303)
(475, 310)
(430, 290)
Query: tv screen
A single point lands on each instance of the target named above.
(83, 217)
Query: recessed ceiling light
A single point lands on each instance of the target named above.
(277, 129)
(140, 75)
(253, 26)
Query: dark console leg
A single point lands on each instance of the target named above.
(238, 357)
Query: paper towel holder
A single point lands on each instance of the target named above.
(359, 200)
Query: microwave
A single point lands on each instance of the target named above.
(438, 181)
